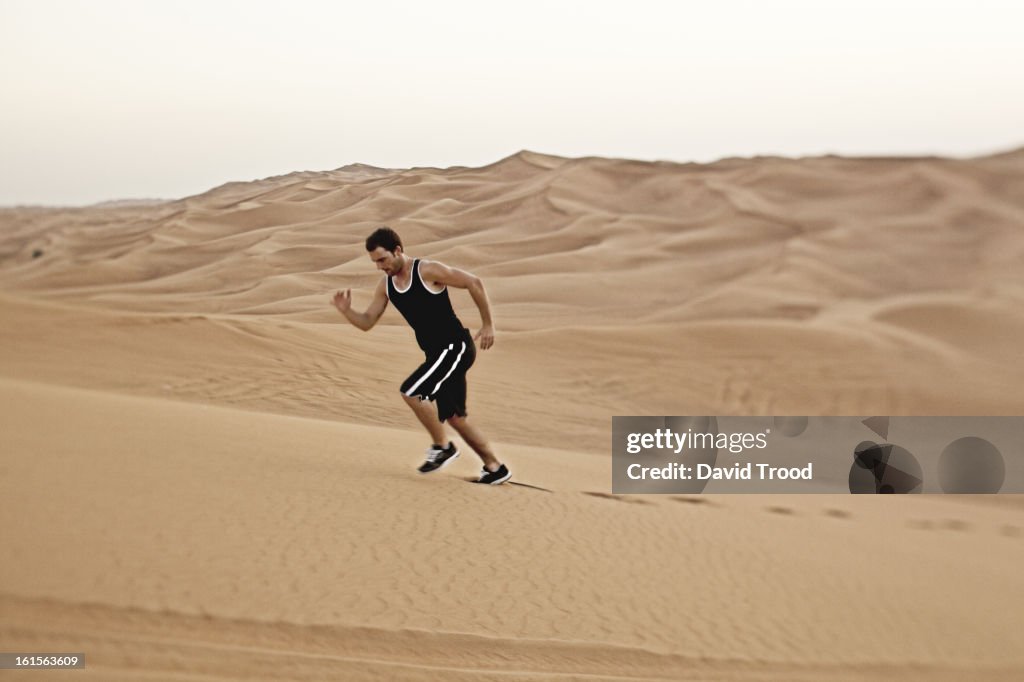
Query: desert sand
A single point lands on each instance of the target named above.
(207, 474)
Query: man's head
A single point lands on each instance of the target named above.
(385, 249)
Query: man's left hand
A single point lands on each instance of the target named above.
(485, 336)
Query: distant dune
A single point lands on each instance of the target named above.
(208, 474)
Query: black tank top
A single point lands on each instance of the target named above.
(430, 315)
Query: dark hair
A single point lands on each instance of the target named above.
(386, 237)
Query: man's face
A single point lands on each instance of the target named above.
(389, 262)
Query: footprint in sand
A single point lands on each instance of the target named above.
(620, 498)
(955, 524)
(785, 511)
(693, 500)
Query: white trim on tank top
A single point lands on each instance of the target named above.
(419, 273)
(395, 284)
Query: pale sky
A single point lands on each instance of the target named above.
(107, 100)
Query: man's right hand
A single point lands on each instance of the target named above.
(342, 300)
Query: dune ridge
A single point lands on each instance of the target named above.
(886, 260)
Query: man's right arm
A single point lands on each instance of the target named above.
(343, 302)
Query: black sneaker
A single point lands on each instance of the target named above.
(494, 477)
(437, 457)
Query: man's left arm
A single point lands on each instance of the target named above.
(432, 271)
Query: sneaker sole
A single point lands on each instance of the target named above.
(443, 465)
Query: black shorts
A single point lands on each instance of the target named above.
(442, 377)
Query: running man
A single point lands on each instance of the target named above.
(419, 289)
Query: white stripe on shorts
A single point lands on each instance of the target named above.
(454, 365)
(430, 371)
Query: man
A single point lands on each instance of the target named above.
(419, 289)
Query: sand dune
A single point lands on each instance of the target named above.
(207, 474)
(170, 533)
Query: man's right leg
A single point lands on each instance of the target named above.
(423, 382)
(442, 451)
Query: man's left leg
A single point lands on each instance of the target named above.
(494, 471)
(427, 414)
(475, 440)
